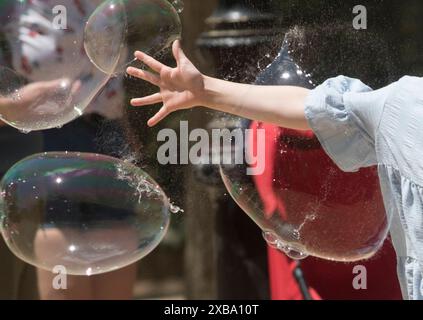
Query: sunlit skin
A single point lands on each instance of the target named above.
(185, 87)
(116, 285)
(35, 93)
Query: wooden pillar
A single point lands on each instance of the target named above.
(240, 37)
(199, 204)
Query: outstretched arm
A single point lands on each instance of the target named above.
(185, 87)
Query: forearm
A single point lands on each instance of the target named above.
(280, 105)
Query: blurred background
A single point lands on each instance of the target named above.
(213, 250)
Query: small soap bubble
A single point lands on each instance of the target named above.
(119, 27)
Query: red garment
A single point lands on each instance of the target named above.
(297, 173)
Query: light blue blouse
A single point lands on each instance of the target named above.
(359, 127)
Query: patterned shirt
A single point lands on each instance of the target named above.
(40, 52)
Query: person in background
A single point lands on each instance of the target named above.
(17, 279)
(41, 49)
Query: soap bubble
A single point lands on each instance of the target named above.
(303, 203)
(119, 27)
(46, 77)
(89, 213)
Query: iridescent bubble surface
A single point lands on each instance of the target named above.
(89, 213)
(46, 77)
(119, 27)
(304, 204)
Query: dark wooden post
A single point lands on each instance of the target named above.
(199, 257)
(241, 36)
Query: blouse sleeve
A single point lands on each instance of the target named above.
(344, 114)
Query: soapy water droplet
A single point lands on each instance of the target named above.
(100, 208)
(295, 255)
(142, 185)
(274, 241)
(271, 239)
(297, 234)
(308, 218)
(175, 209)
(89, 272)
(16, 96)
(178, 5)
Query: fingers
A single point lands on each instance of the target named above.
(175, 50)
(145, 101)
(144, 75)
(178, 53)
(149, 61)
(159, 116)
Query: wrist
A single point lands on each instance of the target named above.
(211, 93)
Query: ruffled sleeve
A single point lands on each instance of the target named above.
(344, 114)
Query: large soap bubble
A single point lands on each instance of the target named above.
(46, 77)
(119, 27)
(303, 203)
(86, 212)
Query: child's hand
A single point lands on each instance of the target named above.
(180, 88)
(185, 87)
